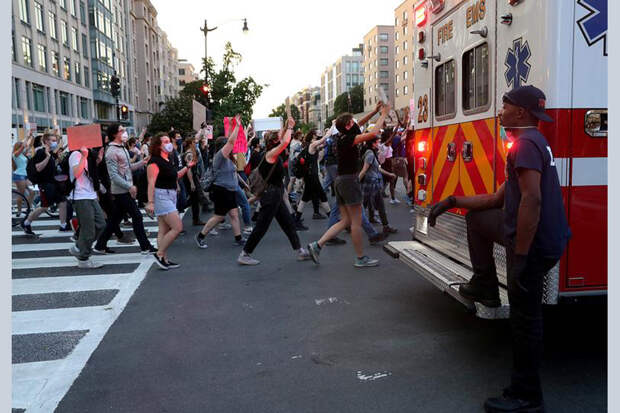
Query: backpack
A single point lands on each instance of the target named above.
(300, 164)
(67, 186)
(31, 171)
(257, 183)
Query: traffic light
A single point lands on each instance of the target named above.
(124, 112)
(204, 89)
(115, 86)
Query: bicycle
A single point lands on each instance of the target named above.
(19, 214)
(52, 210)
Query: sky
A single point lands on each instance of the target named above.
(288, 45)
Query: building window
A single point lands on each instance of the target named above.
(397, 78)
(72, 4)
(38, 17)
(405, 45)
(28, 100)
(383, 49)
(13, 46)
(383, 37)
(396, 36)
(384, 74)
(476, 77)
(395, 49)
(84, 45)
(55, 63)
(38, 93)
(51, 18)
(83, 13)
(405, 75)
(66, 69)
(84, 110)
(397, 63)
(23, 11)
(76, 72)
(63, 4)
(42, 57)
(445, 104)
(86, 77)
(405, 90)
(181, 72)
(74, 39)
(64, 104)
(64, 34)
(383, 61)
(27, 51)
(397, 92)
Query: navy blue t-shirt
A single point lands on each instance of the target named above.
(531, 151)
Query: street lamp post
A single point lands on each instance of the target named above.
(206, 29)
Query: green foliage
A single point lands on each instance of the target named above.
(356, 105)
(306, 127)
(281, 112)
(227, 97)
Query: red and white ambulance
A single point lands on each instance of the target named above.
(468, 53)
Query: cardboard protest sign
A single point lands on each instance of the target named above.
(199, 115)
(87, 135)
(267, 124)
(241, 145)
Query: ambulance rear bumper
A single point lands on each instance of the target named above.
(445, 273)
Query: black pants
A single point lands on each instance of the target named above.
(524, 295)
(272, 206)
(124, 203)
(106, 203)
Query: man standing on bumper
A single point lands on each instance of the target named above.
(532, 226)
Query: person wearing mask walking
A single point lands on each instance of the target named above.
(527, 216)
(83, 174)
(163, 175)
(123, 191)
(348, 189)
(224, 188)
(272, 202)
(313, 191)
(20, 176)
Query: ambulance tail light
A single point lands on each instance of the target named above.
(421, 54)
(420, 15)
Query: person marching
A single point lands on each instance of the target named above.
(224, 188)
(348, 189)
(313, 191)
(162, 177)
(272, 200)
(527, 216)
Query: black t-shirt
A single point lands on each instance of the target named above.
(348, 155)
(312, 161)
(531, 151)
(48, 173)
(167, 176)
(277, 176)
(255, 158)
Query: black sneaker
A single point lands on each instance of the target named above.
(336, 241)
(485, 295)
(318, 215)
(27, 229)
(201, 242)
(161, 262)
(300, 227)
(172, 264)
(511, 403)
(149, 250)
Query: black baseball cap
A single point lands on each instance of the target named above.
(530, 98)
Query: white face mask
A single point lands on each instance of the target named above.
(168, 147)
(124, 136)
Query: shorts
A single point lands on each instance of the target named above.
(387, 165)
(313, 189)
(224, 200)
(348, 190)
(50, 194)
(165, 201)
(19, 178)
(400, 167)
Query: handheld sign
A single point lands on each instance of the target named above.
(88, 136)
(199, 115)
(241, 144)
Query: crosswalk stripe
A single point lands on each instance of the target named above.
(25, 263)
(44, 285)
(66, 245)
(59, 319)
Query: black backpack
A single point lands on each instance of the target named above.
(301, 164)
(31, 171)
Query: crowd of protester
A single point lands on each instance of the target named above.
(107, 187)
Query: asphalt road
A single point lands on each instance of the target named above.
(288, 336)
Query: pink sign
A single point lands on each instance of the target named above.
(241, 145)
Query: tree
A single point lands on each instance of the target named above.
(355, 105)
(226, 97)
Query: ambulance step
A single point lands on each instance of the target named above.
(445, 273)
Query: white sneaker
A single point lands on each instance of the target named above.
(213, 232)
(394, 201)
(89, 263)
(303, 255)
(74, 251)
(245, 259)
(224, 226)
(247, 230)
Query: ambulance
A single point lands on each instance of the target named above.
(467, 55)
